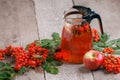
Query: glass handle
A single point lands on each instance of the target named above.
(94, 15)
(89, 15)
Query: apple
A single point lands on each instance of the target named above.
(93, 59)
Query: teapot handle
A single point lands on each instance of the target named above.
(89, 15)
(94, 15)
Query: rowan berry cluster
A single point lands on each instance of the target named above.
(95, 34)
(36, 55)
(32, 58)
(1, 54)
(78, 29)
(62, 56)
(108, 50)
(111, 63)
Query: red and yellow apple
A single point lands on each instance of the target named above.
(93, 59)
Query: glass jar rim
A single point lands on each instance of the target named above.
(75, 21)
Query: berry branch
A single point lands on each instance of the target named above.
(38, 53)
(47, 53)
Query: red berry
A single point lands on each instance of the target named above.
(81, 29)
(32, 63)
(17, 67)
(86, 27)
(111, 63)
(25, 58)
(95, 34)
(108, 50)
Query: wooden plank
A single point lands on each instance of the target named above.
(18, 23)
(27, 21)
(8, 21)
(31, 75)
(50, 16)
(71, 72)
(101, 74)
(109, 11)
(18, 27)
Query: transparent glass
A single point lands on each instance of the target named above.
(76, 39)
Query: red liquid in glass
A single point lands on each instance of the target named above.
(76, 42)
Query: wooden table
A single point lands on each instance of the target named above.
(23, 21)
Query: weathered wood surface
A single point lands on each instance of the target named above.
(23, 21)
(49, 14)
(71, 72)
(18, 27)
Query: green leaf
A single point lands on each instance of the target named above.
(54, 70)
(46, 66)
(8, 67)
(118, 44)
(95, 47)
(50, 68)
(38, 42)
(115, 48)
(52, 45)
(2, 65)
(111, 43)
(22, 70)
(50, 59)
(5, 75)
(55, 36)
(6, 71)
(118, 40)
(45, 43)
(49, 44)
(104, 37)
(53, 62)
(56, 63)
(100, 44)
